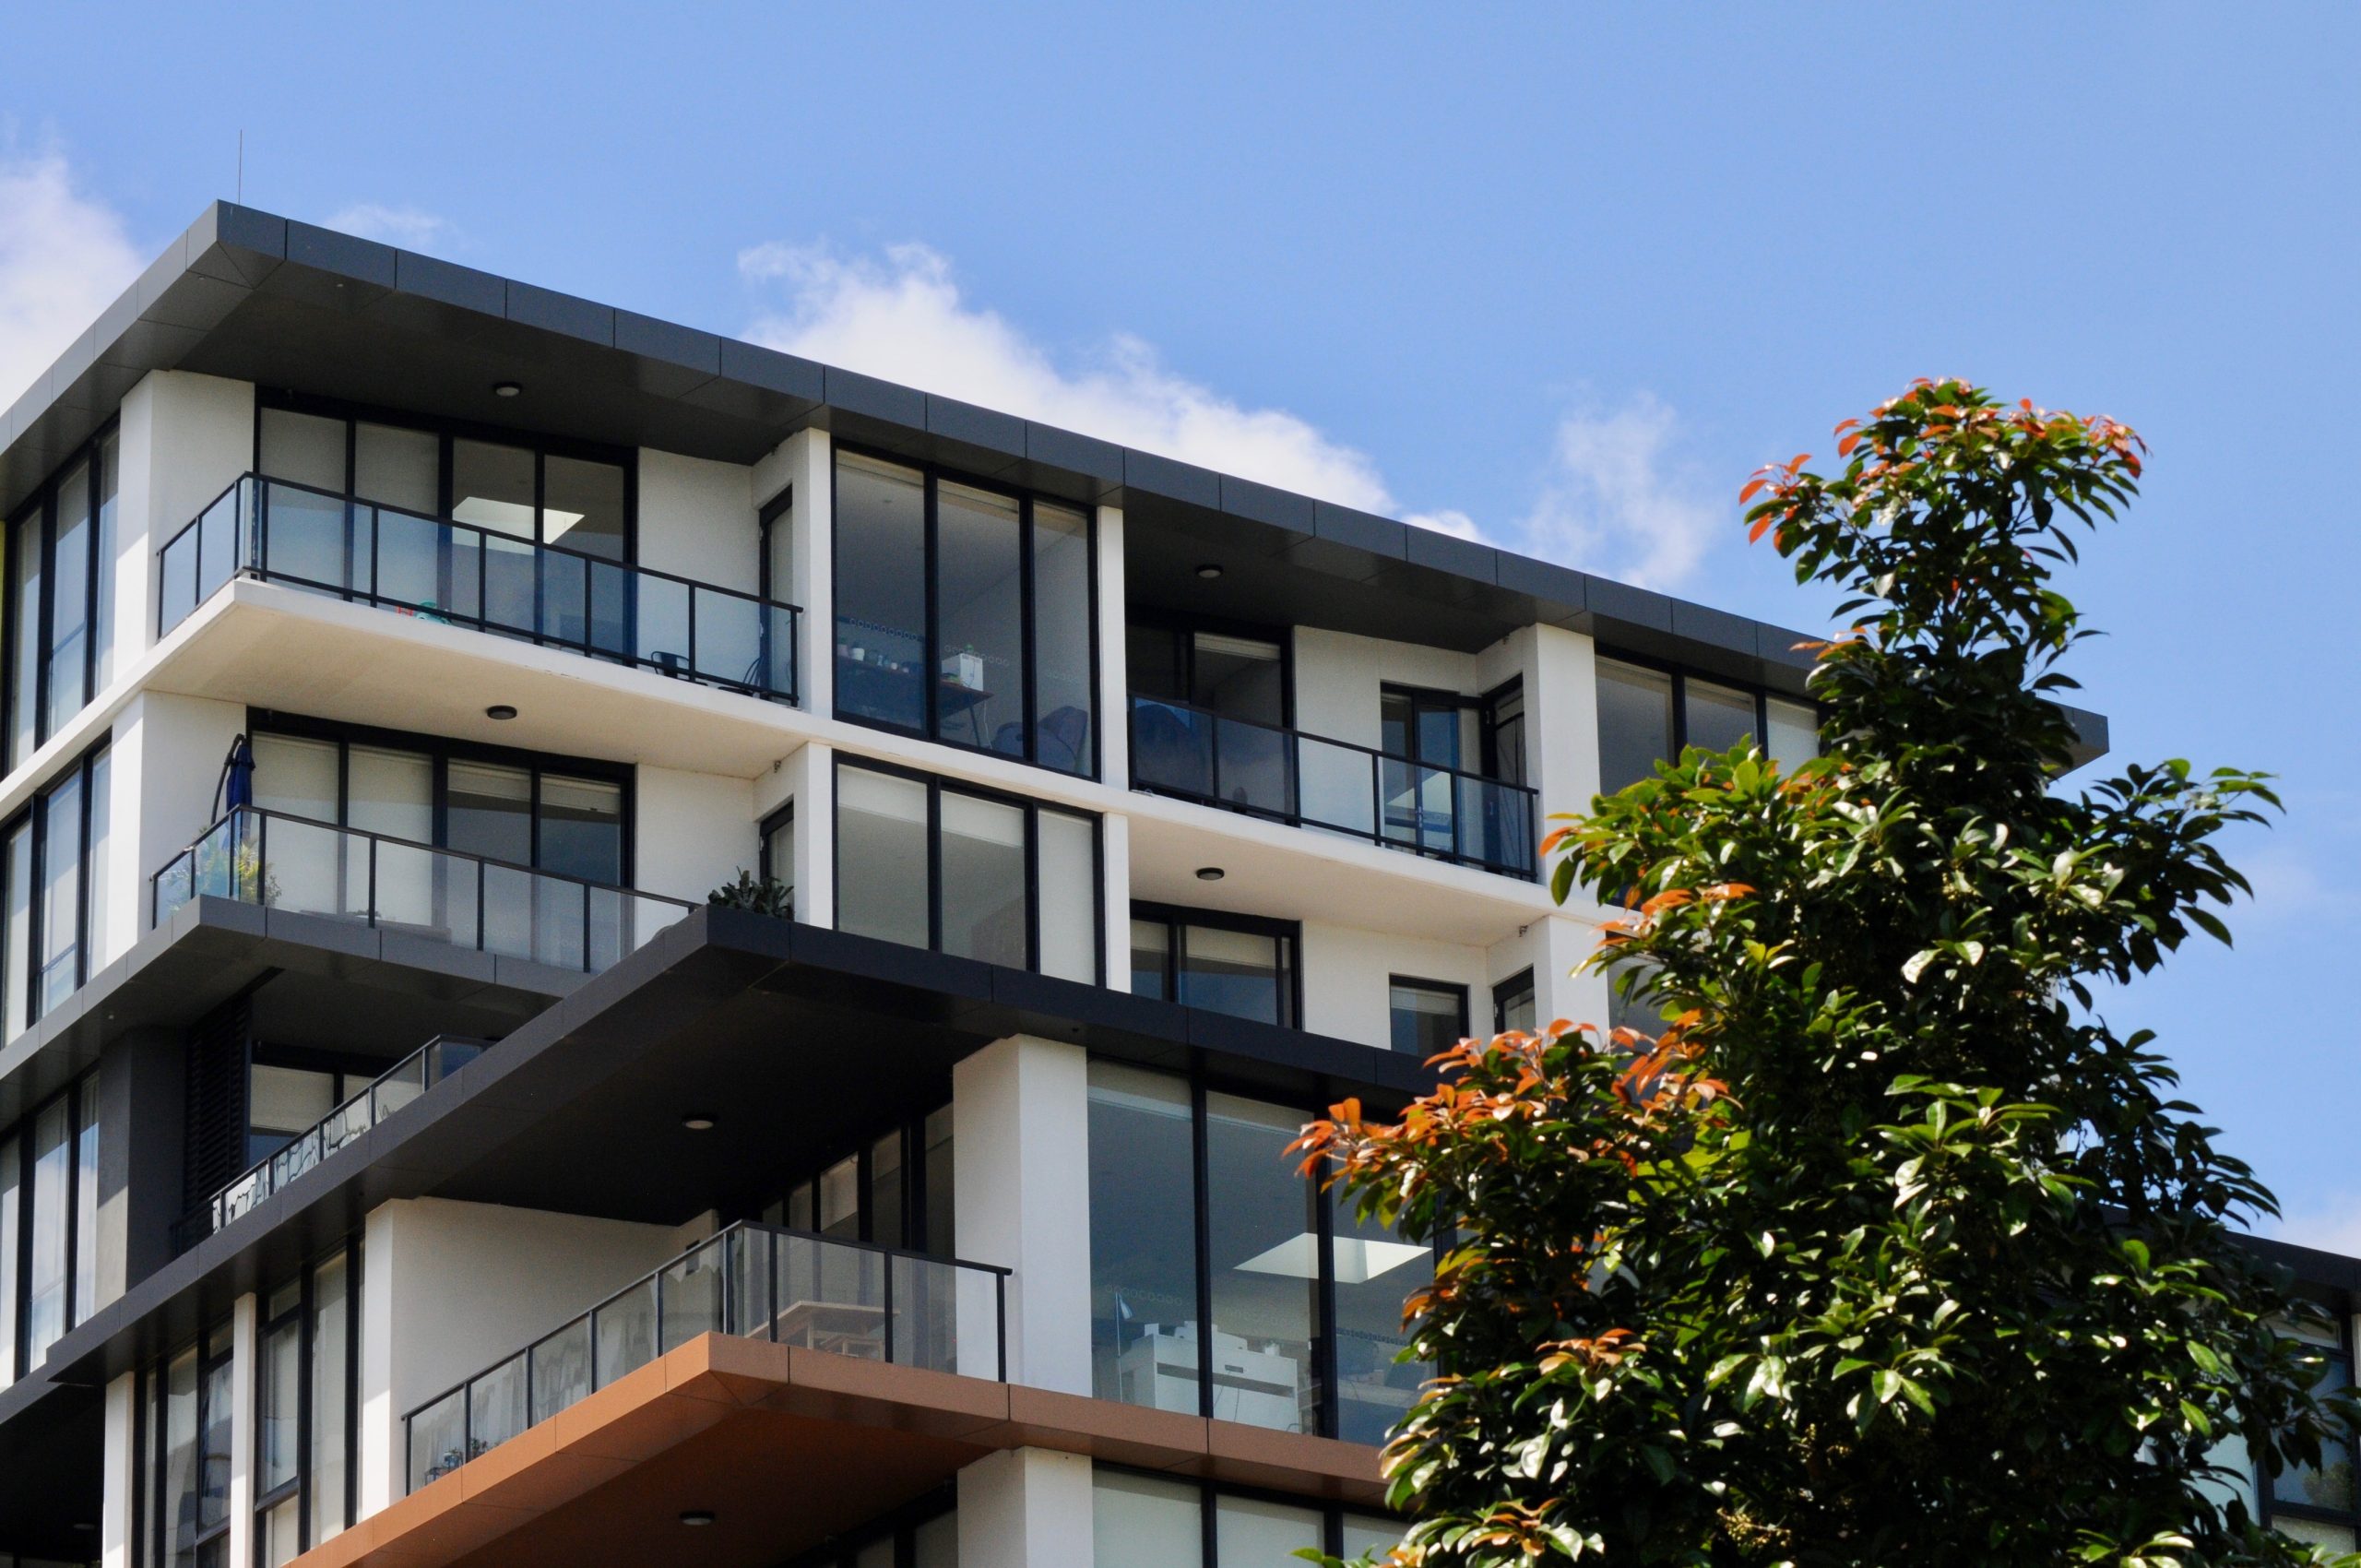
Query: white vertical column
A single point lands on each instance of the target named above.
(379, 1438)
(185, 439)
(812, 461)
(1020, 1112)
(1026, 1508)
(245, 1360)
(1115, 872)
(117, 1524)
(1114, 675)
(1561, 721)
(812, 778)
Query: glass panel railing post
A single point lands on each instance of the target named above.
(890, 1271)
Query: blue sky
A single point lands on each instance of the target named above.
(1558, 274)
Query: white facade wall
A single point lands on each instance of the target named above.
(449, 1289)
(167, 752)
(697, 519)
(1026, 1508)
(694, 831)
(1347, 974)
(1338, 677)
(1020, 1116)
(185, 439)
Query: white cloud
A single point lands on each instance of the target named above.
(1614, 504)
(64, 258)
(1610, 502)
(409, 227)
(902, 317)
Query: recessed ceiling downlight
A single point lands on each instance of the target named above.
(500, 710)
(1210, 873)
(507, 388)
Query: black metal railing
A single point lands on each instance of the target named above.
(444, 570)
(1312, 782)
(395, 1087)
(435, 894)
(754, 1281)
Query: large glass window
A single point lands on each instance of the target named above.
(1224, 963)
(306, 1370)
(1272, 1269)
(189, 1401)
(1648, 715)
(575, 497)
(965, 612)
(895, 1189)
(1514, 1006)
(1139, 1521)
(930, 863)
(1143, 1310)
(2322, 1501)
(1427, 1015)
(55, 862)
(49, 1209)
(61, 596)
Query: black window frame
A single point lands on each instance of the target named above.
(914, 1219)
(80, 1099)
(1485, 706)
(1182, 630)
(1204, 1080)
(43, 502)
(34, 815)
(306, 1314)
(766, 863)
(152, 1530)
(900, 1525)
(443, 750)
(932, 475)
(936, 785)
(2269, 1507)
(1209, 1493)
(1176, 918)
(1453, 989)
(1506, 991)
(1681, 674)
(446, 430)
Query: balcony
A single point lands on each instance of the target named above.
(752, 1281)
(393, 1090)
(454, 574)
(443, 897)
(1334, 786)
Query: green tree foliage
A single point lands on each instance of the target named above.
(1889, 1250)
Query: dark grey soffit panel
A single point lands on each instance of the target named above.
(577, 1110)
(255, 297)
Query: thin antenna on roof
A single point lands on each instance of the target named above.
(241, 166)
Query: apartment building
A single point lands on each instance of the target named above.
(402, 1163)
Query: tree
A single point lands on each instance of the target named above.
(1889, 1249)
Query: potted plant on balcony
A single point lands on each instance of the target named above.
(756, 894)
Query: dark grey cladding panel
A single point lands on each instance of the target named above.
(448, 284)
(867, 396)
(1348, 544)
(1171, 480)
(1619, 606)
(1560, 595)
(333, 271)
(983, 441)
(77, 357)
(1447, 552)
(549, 311)
(1714, 628)
(1264, 504)
(1776, 647)
(666, 360)
(761, 384)
(236, 245)
(198, 302)
(1084, 454)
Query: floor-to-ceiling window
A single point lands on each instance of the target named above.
(49, 1244)
(1222, 1283)
(965, 612)
(1514, 1006)
(525, 812)
(61, 551)
(893, 1189)
(55, 871)
(1142, 1521)
(1426, 1016)
(1224, 963)
(1648, 712)
(931, 863)
(189, 1399)
(306, 1379)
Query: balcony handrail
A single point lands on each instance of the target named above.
(272, 1174)
(250, 542)
(1487, 823)
(1473, 777)
(728, 1296)
(268, 814)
